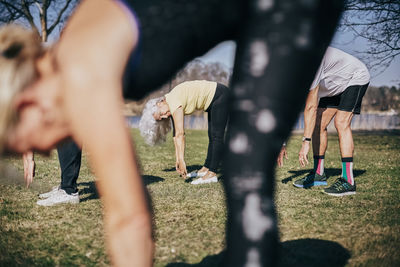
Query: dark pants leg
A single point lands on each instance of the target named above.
(209, 149)
(69, 156)
(217, 119)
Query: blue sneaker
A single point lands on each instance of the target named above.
(313, 179)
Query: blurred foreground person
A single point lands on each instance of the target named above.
(183, 100)
(77, 91)
(38, 103)
(336, 92)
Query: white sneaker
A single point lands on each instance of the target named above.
(213, 179)
(60, 197)
(50, 193)
(195, 174)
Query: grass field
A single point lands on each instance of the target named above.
(189, 221)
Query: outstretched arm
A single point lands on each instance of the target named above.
(310, 113)
(90, 58)
(282, 156)
(179, 141)
(29, 167)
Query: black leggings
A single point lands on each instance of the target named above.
(279, 47)
(217, 119)
(69, 156)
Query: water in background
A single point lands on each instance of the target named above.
(364, 122)
(360, 122)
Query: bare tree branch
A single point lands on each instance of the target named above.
(60, 15)
(28, 16)
(377, 22)
(38, 14)
(9, 12)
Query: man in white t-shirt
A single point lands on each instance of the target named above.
(337, 91)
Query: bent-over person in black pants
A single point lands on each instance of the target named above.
(69, 156)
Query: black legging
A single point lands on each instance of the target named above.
(217, 119)
(279, 48)
(69, 156)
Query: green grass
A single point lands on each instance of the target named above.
(189, 221)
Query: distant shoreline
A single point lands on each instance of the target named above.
(363, 122)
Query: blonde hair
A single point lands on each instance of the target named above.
(153, 131)
(19, 49)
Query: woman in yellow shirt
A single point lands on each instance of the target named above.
(183, 100)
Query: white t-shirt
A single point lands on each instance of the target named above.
(338, 71)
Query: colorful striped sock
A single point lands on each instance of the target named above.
(347, 170)
(319, 164)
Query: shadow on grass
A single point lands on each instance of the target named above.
(189, 168)
(150, 179)
(301, 252)
(330, 172)
(313, 252)
(90, 187)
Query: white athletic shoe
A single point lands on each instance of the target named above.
(195, 174)
(60, 197)
(50, 193)
(213, 179)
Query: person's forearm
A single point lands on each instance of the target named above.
(91, 76)
(120, 186)
(29, 167)
(180, 146)
(309, 125)
(310, 114)
(176, 148)
(179, 137)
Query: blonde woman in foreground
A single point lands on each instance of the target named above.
(47, 97)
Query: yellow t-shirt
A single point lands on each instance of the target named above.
(190, 96)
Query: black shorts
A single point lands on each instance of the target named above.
(349, 100)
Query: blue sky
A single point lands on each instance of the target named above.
(224, 53)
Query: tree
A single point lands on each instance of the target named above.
(376, 21)
(381, 98)
(43, 16)
(198, 70)
(194, 70)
